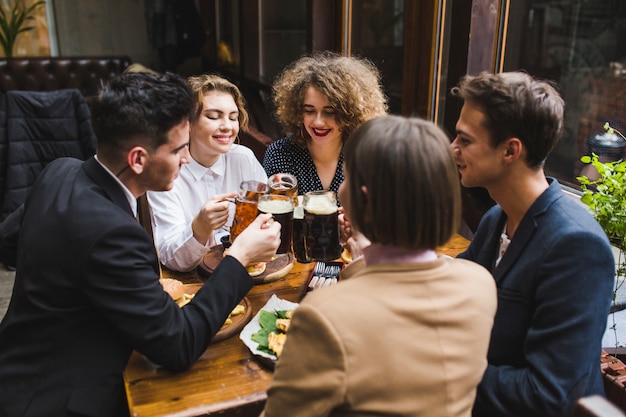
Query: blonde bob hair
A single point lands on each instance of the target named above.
(203, 84)
(351, 85)
(413, 197)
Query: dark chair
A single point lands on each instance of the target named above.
(596, 406)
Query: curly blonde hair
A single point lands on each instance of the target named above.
(351, 84)
(205, 83)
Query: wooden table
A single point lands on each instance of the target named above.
(226, 380)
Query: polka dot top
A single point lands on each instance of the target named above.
(285, 156)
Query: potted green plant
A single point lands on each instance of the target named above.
(606, 198)
(14, 18)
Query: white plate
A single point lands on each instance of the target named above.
(272, 305)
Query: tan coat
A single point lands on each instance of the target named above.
(392, 340)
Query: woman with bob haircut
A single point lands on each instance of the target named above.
(405, 331)
(320, 99)
(192, 217)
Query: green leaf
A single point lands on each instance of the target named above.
(267, 320)
(261, 337)
(281, 314)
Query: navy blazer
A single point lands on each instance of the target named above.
(555, 286)
(87, 293)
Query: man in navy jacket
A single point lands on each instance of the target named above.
(552, 262)
(87, 288)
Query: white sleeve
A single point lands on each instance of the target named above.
(178, 249)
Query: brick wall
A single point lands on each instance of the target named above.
(614, 376)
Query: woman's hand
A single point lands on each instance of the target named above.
(212, 215)
(355, 245)
(345, 228)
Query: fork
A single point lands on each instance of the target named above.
(319, 268)
(318, 271)
(330, 276)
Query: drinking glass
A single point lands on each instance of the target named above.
(316, 236)
(281, 208)
(285, 184)
(246, 205)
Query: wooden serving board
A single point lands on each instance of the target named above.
(239, 321)
(274, 270)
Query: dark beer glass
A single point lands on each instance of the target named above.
(300, 247)
(246, 206)
(281, 209)
(321, 222)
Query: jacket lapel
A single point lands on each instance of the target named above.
(526, 230)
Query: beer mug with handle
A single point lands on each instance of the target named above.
(316, 236)
(281, 208)
(246, 206)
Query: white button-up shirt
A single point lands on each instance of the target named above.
(174, 210)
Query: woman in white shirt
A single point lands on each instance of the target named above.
(192, 217)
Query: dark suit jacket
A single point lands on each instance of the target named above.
(554, 293)
(87, 293)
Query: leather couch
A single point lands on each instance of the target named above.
(85, 73)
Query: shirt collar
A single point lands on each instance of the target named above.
(198, 171)
(132, 201)
(377, 253)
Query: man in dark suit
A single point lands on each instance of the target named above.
(552, 262)
(87, 288)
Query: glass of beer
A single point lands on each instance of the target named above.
(246, 206)
(322, 225)
(281, 208)
(299, 236)
(285, 184)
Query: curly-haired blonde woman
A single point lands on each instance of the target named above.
(320, 99)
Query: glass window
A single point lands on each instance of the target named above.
(283, 35)
(378, 34)
(35, 41)
(579, 45)
(227, 29)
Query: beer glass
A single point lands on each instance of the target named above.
(246, 206)
(322, 226)
(285, 184)
(281, 208)
(299, 236)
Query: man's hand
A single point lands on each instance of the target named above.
(258, 242)
(212, 215)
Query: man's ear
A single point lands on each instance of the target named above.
(136, 159)
(513, 148)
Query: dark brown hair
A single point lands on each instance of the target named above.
(517, 105)
(139, 108)
(413, 197)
